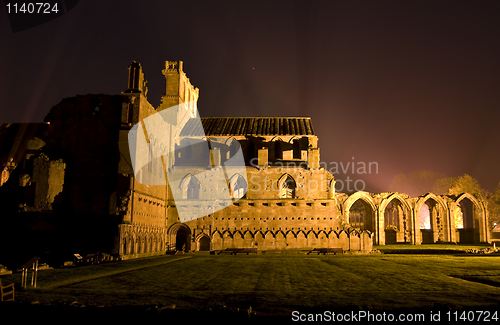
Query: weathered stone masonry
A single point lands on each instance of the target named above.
(75, 171)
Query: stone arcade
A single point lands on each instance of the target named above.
(71, 177)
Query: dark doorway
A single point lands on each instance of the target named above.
(204, 243)
(182, 240)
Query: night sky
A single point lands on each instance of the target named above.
(409, 85)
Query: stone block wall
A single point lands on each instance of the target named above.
(279, 224)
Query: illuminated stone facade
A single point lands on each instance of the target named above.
(76, 172)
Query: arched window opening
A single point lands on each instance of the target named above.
(234, 147)
(425, 217)
(357, 215)
(204, 243)
(193, 189)
(238, 187)
(464, 222)
(391, 215)
(287, 188)
(361, 215)
(466, 207)
(459, 217)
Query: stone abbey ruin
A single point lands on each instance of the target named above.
(68, 184)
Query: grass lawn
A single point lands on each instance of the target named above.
(274, 283)
(428, 248)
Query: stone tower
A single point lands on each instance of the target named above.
(178, 88)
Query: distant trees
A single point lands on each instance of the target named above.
(416, 183)
(494, 205)
(425, 181)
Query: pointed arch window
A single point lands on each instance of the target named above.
(238, 187)
(190, 188)
(287, 187)
(193, 189)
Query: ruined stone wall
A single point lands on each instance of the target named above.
(278, 224)
(309, 183)
(443, 225)
(48, 179)
(83, 133)
(270, 225)
(137, 240)
(141, 206)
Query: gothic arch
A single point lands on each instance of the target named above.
(322, 238)
(294, 142)
(140, 245)
(280, 232)
(311, 232)
(471, 197)
(474, 227)
(257, 233)
(468, 214)
(367, 199)
(132, 244)
(217, 240)
(269, 234)
(246, 232)
(277, 147)
(190, 187)
(203, 242)
(227, 233)
(365, 196)
(127, 244)
(238, 235)
(180, 235)
(231, 148)
(248, 238)
(422, 199)
(439, 220)
(238, 186)
(280, 240)
(391, 197)
(398, 224)
(287, 186)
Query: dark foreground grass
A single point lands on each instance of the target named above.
(274, 284)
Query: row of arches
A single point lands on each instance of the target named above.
(351, 239)
(191, 188)
(137, 241)
(365, 219)
(427, 219)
